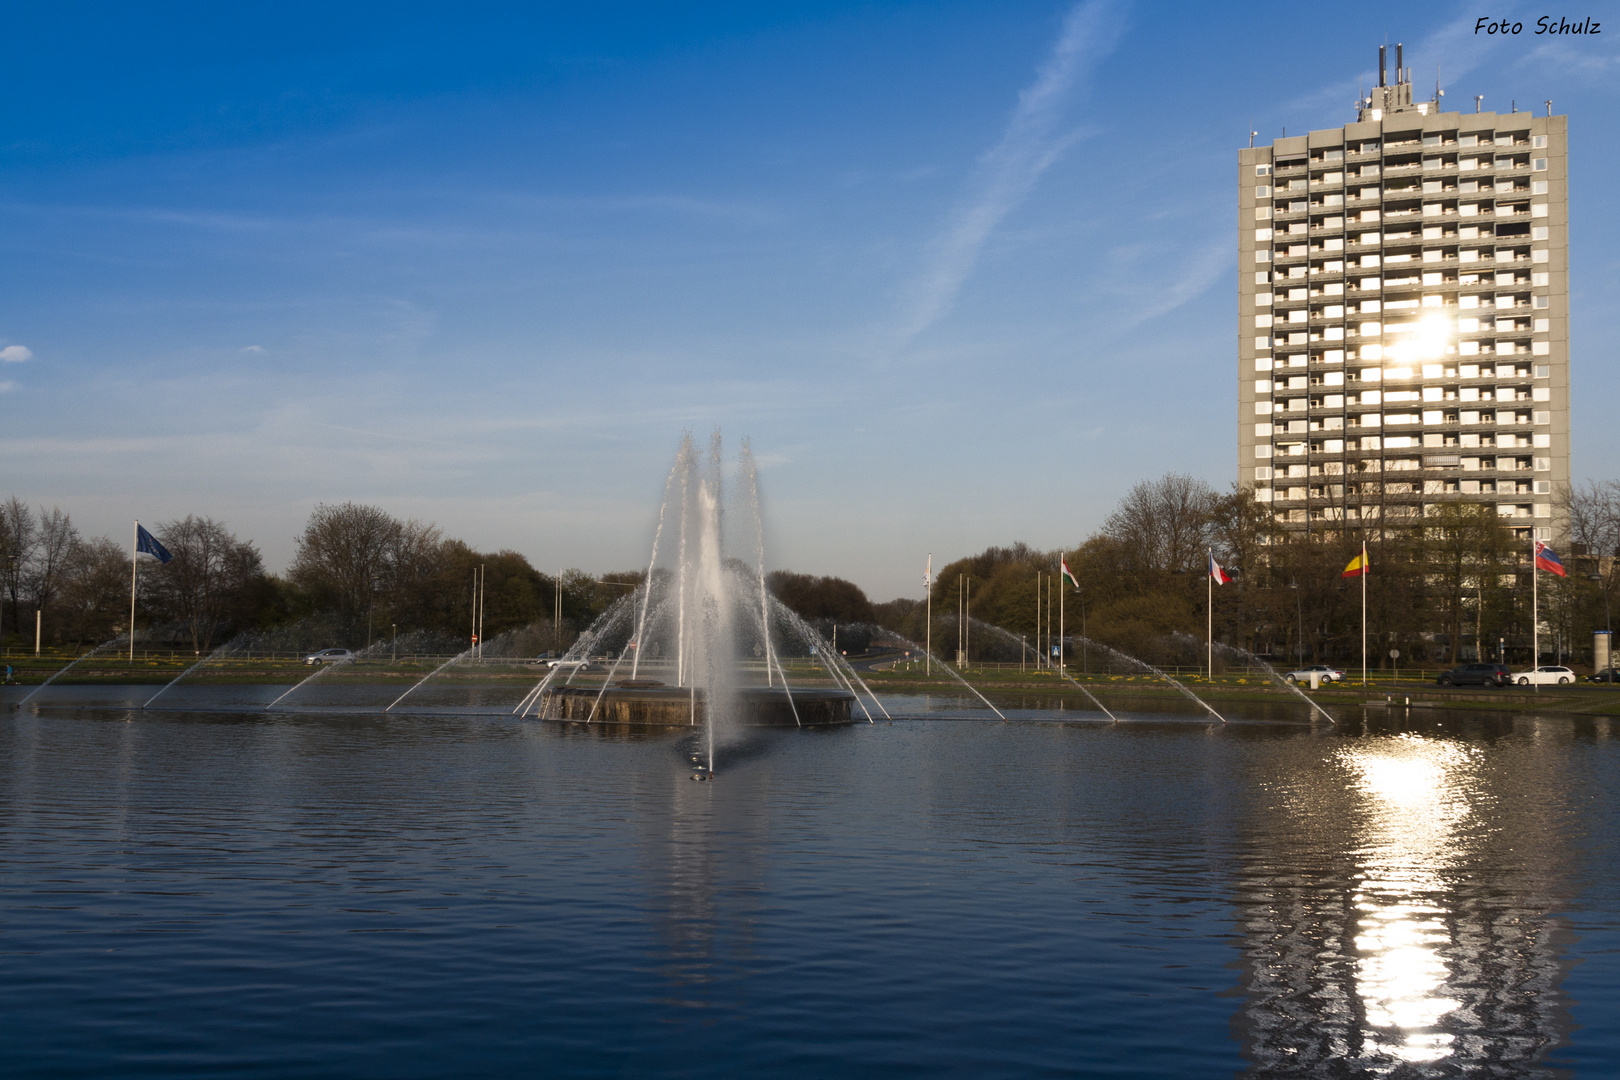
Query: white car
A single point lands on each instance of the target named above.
(1552, 675)
(329, 656)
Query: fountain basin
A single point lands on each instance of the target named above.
(652, 705)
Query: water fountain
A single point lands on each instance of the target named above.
(700, 642)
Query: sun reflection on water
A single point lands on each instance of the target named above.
(1415, 803)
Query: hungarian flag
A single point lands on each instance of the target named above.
(1221, 576)
(1064, 563)
(1358, 566)
(1546, 560)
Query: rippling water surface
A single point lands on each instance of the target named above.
(343, 895)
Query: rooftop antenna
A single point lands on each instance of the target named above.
(1549, 106)
(1477, 99)
(1252, 134)
(1515, 104)
(1400, 70)
(1438, 93)
(1381, 50)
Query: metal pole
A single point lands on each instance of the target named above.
(1062, 588)
(38, 624)
(1535, 608)
(483, 576)
(928, 648)
(1209, 613)
(1363, 611)
(134, 564)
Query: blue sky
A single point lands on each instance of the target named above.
(963, 272)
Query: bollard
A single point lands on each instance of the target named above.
(1316, 680)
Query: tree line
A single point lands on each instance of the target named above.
(1452, 587)
(358, 573)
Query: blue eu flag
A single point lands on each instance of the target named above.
(146, 544)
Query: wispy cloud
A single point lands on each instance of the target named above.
(1007, 172)
(252, 349)
(15, 354)
(8, 386)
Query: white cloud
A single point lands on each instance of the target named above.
(7, 387)
(252, 349)
(15, 354)
(1009, 170)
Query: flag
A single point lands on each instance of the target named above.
(1546, 560)
(1358, 566)
(1064, 564)
(928, 574)
(146, 544)
(1221, 576)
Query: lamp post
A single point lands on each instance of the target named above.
(1299, 605)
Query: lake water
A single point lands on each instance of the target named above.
(327, 894)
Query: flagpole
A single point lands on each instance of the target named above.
(1535, 608)
(134, 563)
(1363, 611)
(1062, 588)
(928, 649)
(1209, 612)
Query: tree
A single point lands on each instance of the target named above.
(18, 538)
(816, 598)
(206, 585)
(57, 541)
(94, 602)
(344, 556)
(1467, 553)
(1164, 524)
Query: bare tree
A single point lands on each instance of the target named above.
(346, 555)
(54, 549)
(94, 601)
(204, 582)
(1164, 524)
(19, 535)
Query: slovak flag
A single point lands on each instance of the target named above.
(1546, 560)
(1221, 576)
(147, 544)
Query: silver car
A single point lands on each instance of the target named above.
(1324, 674)
(328, 656)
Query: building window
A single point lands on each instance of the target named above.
(1262, 170)
(1538, 165)
(1538, 142)
(1538, 187)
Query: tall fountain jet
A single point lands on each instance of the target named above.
(702, 642)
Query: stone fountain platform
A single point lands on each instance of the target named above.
(644, 703)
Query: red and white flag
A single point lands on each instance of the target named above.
(1221, 576)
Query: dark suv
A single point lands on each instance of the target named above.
(1476, 675)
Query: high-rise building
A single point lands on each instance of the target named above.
(1403, 303)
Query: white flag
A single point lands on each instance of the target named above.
(928, 574)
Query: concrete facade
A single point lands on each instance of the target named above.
(1403, 300)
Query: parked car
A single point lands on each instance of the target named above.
(1476, 675)
(329, 656)
(1608, 675)
(1550, 675)
(1325, 674)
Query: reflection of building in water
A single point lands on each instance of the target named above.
(1395, 913)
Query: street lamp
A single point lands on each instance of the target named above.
(1299, 605)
